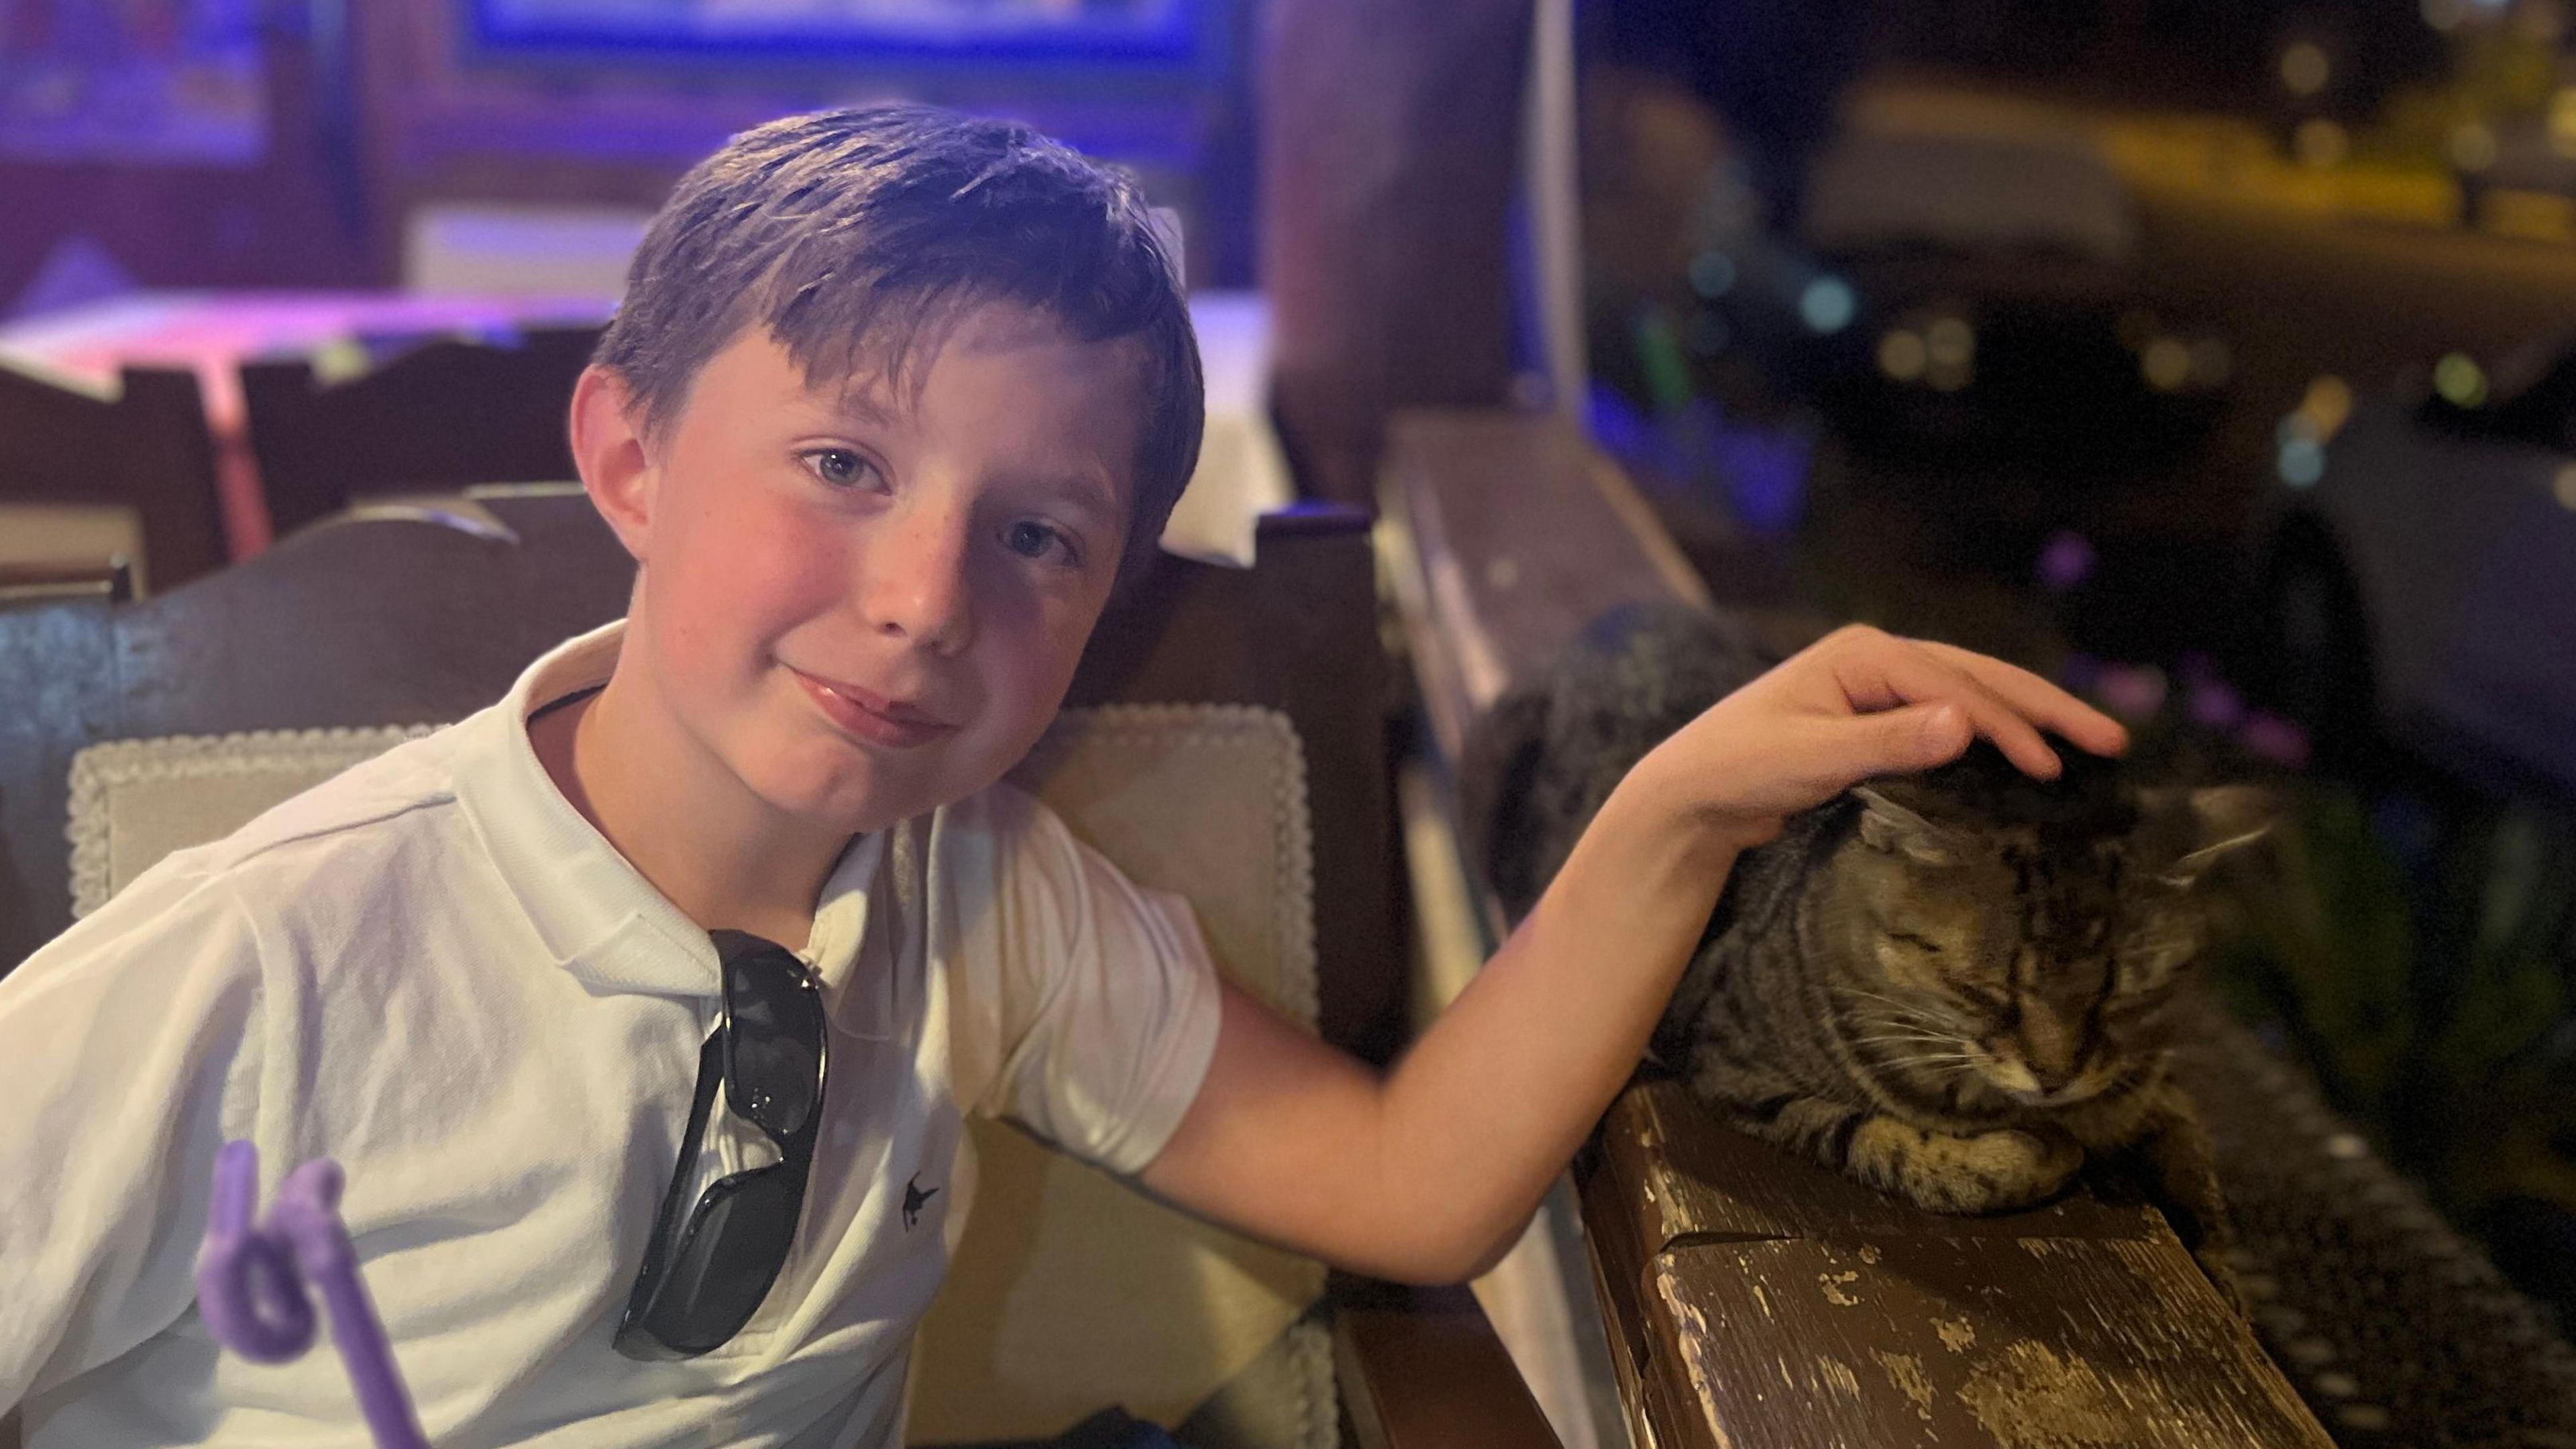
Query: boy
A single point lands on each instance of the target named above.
(643, 1007)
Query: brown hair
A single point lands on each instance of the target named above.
(856, 235)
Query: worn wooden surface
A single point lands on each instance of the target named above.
(1481, 608)
(1754, 1299)
(1765, 1303)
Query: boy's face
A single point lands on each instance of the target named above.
(863, 604)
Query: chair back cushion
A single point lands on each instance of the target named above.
(1068, 1292)
(135, 801)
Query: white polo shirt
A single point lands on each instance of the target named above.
(434, 970)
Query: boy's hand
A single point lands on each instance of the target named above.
(1858, 703)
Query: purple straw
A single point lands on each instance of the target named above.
(251, 1293)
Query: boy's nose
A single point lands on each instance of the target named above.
(915, 585)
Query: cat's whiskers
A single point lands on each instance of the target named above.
(1933, 1037)
(1917, 1012)
(1945, 1030)
(1900, 1003)
(1951, 1063)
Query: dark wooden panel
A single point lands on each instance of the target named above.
(445, 415)
(1421, 1367)
(1386, 175)
(147, 449)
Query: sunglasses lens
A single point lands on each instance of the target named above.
(698, 1289)
(726, 1261)
(773, 1049)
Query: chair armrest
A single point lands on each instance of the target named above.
(1421, 1368)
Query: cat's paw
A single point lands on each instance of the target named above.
(2013, 1169)
(1983, 1172)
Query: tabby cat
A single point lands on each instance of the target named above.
(1948, 986)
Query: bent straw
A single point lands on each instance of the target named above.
(251, 1293)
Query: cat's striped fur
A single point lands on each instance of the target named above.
(1948, 986)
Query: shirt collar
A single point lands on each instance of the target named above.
(598, 915)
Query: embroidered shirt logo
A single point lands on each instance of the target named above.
(914, 1195)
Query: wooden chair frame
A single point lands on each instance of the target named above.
(147, 447)
(446, 414)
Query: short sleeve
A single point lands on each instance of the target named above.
(134, 1050)
(1120, 1005)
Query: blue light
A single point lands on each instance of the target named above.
(1159, 32)
(1712, 274)
(2302, 463)
(1828, 304)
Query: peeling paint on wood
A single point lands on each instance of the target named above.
(1966, 1342)
(2032, 1399)
(1694, 1338)
(1905, 1371)
(2074, 1329)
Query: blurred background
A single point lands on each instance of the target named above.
(2212, 355)
(2214, 358)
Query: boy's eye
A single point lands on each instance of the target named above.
(839, 467)
(1032, 540)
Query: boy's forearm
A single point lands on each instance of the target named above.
(1489, 1106)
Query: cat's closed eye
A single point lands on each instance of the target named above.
(1992, 1003)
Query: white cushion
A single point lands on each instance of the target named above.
(135, 801)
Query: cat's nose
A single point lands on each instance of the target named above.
(2049, 1049)
(2052, 1078)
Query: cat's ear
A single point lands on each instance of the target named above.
(1886, 825)
(2224, 819)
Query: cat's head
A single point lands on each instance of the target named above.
(2020, 935)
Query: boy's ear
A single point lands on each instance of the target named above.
(608, 450)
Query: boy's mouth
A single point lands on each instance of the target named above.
(871, 716)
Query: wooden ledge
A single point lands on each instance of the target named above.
(1764, 1303)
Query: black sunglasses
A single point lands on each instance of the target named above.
(711, 1261)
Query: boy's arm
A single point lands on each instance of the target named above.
(1429, 1173)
